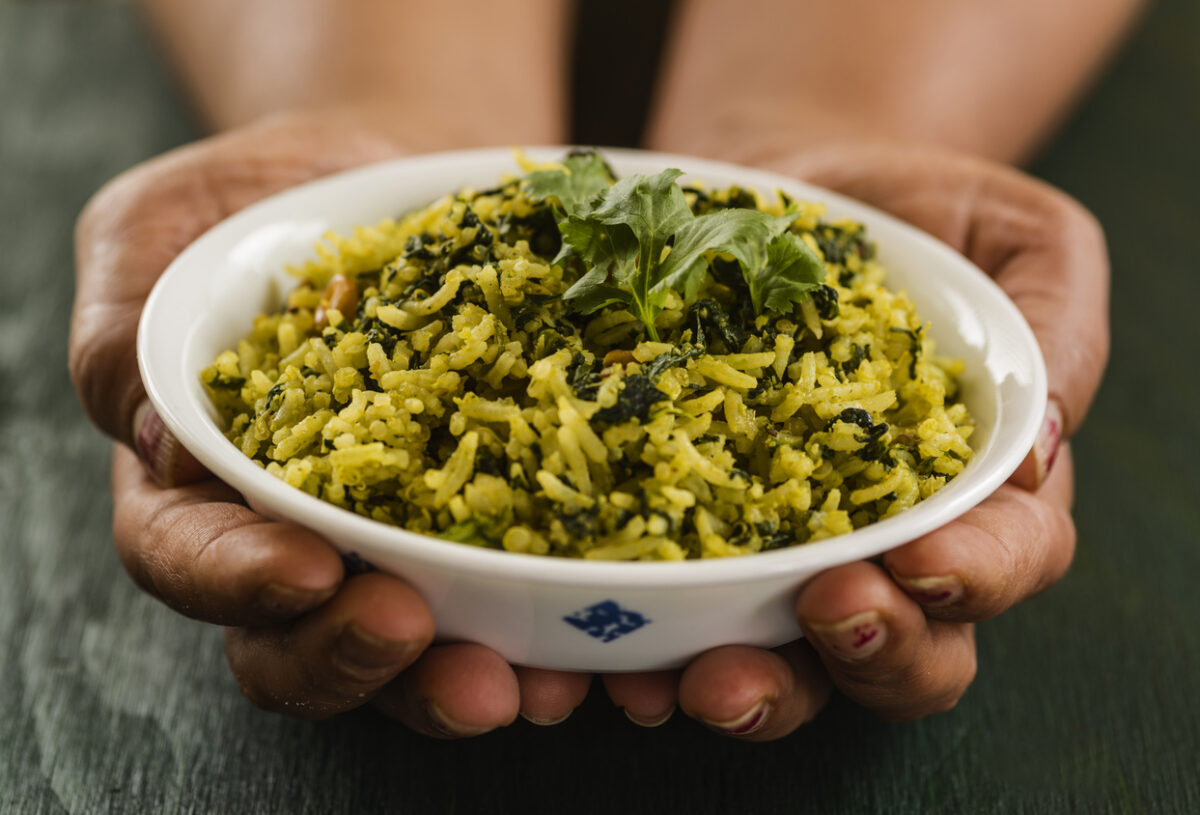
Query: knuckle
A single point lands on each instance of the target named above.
(334, 675)
(966, 675)
(156, 559)
(130, 555)
(992, 589)
(940, 695)
(123, 200)
(1062, 221)
(1066, 216)
(254, 693)
(245, 658)
(111, 199)
(342, 679)
(932, 682)
(957, 680)
(1070, 540)
(944, 703)
(1060, 550)
(90, 364)
(222, 561)
(1081, 224)
(249, 681)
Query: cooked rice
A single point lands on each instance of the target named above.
(461, 399)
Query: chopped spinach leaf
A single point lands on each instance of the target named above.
(638, 395)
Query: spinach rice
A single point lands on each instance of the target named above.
(428, 372)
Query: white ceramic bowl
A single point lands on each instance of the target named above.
(551, 612)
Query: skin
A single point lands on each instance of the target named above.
(990, 79)
(1048, 253)
(304, 640)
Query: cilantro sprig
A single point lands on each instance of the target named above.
(620, 232)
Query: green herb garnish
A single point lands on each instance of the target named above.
(486, 531)
(621, 232)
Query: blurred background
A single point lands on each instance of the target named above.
(1087, 698)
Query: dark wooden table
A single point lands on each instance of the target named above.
(1088, 698)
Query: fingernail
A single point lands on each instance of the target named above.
(360, 651)
(448, 727)
(749, 722)
(287, 601)
(1045, 446)
(1035, 467)
(641, 722)
(546, 721)
(164, 458)
(854, 638)
(934, 592)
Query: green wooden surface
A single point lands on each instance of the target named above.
(1088, 698)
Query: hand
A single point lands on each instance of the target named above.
(897, 636)
(301, 638)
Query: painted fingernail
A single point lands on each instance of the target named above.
(1045, 446)
(450, 728)
(854, 638)
(288, 601)
(654, 722)
(546, 721)
(1035, 467)
(164, 458)
(933, 592)
(749, 722)
(358, 651)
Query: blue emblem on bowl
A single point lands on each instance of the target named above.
(606, 621)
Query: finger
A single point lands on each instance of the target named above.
(1042, 247)
(878, 646)
(549, 697)
(167, 462)
(1012, 546)
(126, 236)
(1057, 274)
(754, 694)
(203, 553)
(338, 656)
(648, 699)
(454, 691)
(1035, 468)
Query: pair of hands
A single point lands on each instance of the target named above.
(304, 639)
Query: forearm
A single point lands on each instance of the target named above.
(444, 74)
(756, 79)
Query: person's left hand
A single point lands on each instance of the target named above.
(301, 637)
(897, 635)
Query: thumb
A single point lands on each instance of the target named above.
(137, 224)
(1040, 246)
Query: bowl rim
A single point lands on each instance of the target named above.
(177, 410)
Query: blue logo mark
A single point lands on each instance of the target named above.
(606, 621)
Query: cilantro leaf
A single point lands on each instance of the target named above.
(623, 235)
(791, 270)
(742, 233)
(620, 232)
(609, 255)
(652, 206)
(582, 178)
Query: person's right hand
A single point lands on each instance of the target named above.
(896, 634)
(302, 638)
